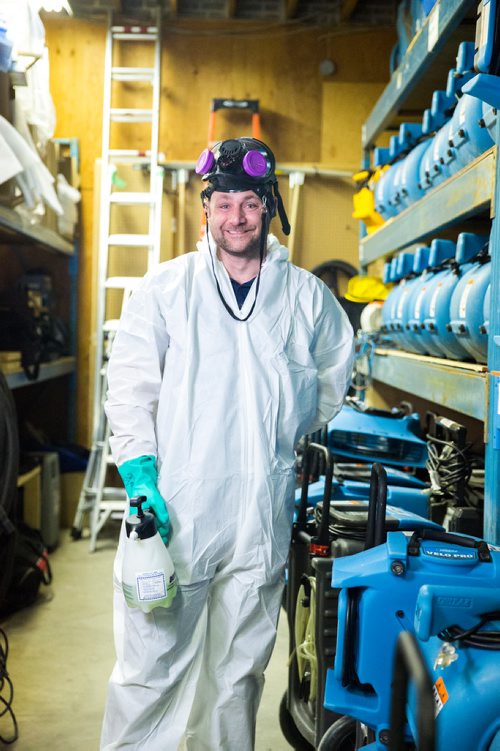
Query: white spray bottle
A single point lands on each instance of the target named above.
(148, 575)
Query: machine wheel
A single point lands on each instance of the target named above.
(341, 736)
(290, 729)
(76, 534)
(330, 271)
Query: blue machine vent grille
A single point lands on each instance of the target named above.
(377, 447)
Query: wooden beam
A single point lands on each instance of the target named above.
(170, 8)
(290, 8)
(347, 9)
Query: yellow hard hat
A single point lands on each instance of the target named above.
(366, 289)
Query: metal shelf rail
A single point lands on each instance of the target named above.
(421, 54)
(13, 225)
(468, 193)
(48, 370)
(455, 385)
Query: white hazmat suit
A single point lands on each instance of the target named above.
(221, 404)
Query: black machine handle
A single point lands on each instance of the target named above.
(375, 528)
(409, 663)
(375, 535)
(321, 541)
(439, 535)
(235, 104)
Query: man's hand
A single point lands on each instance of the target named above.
(139, 478)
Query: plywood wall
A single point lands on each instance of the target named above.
(305, 118)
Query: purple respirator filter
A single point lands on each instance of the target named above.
(254, 163)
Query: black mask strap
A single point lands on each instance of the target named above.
(263, 236)
(285, 224)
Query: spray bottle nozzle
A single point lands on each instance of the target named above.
(137, 502)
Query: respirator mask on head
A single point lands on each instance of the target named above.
(241, 164)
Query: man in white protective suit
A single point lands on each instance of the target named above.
(223, 359)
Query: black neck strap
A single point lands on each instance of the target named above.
(263, 236)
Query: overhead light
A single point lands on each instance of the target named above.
(56, 6)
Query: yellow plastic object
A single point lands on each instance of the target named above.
(364, 199)
(366, 289)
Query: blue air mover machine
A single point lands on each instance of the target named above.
(467, 305)
(320, 536)
(485, 326)
(406, 302)
(441, 253)
(437, 321)
(383, 187)
(403, 275)
(368, 434)
(404, 270)
(412, 498)
(444, 588)
(390, 303)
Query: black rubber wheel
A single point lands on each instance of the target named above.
(341, 736)
(290, 729)
(332, 271)
(76, 534)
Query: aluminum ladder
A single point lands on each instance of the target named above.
(97, 499)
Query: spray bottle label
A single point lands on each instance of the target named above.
(151, 585)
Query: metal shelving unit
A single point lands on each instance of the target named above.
(467, 193)
(462, 387)
(475, 191)
(48, 370)
(422, 53)
(12, 226)
(16, 230)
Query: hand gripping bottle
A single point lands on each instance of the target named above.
(148, 575)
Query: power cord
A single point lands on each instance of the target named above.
(473, 637)
(6, 692)
(449, 469)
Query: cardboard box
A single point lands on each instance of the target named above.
(71, 485)
(30, 484)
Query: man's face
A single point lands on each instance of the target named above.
(235, 221)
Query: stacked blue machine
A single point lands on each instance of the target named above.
(458, 127)
(411, 14)
(439, 305)
(367, 435)
(443, 588)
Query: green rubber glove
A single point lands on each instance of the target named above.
(139, 478)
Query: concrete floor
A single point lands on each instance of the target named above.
(61, 655)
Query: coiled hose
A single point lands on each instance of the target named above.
(9, 469)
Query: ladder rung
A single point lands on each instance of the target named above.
(124, 37)
(132, 74)
(129, 115)
(132, 156)
(122, 282)
(131, 198)
(131, 241)
(134, 28)
(135, 32)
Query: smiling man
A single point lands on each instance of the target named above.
(223, 359)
